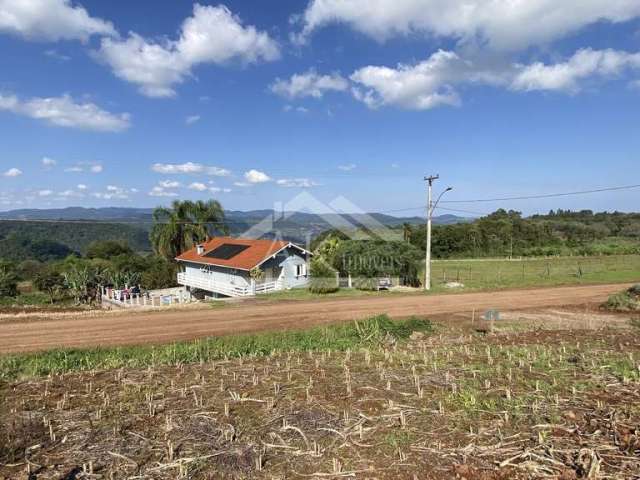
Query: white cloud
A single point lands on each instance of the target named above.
(85, 167)
(113, 192)
(309, 84)
(502, 24)
(70, 194)
(81, 186)
(566, 76)
(210, 35)
(256, 176)
(296, 182)
(220, 190)
(52, 53)
(50, 20)
(169, 184)
(65, 112)
(348, 167)
(191, 119)
(48, 163)
(12, 172)
(434, 82)
(45, 193)
(422, 86)
(200, 187)
(189, 168)
(159, 191)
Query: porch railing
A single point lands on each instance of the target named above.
(226, 288)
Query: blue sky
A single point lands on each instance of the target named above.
(140, 103)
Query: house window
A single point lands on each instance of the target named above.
(301, 270)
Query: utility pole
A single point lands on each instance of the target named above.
(430, 208)
(427, 270)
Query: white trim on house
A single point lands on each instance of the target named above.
(274, 254)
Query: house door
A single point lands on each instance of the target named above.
(271, 274)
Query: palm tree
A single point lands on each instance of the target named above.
(184, 225)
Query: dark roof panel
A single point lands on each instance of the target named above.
(226, 251)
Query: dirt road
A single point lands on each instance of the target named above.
(161, 327)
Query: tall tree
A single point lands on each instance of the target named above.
(184, 225)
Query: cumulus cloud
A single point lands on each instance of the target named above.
(219, 190)
(253, 177)
(309, 84)
(197, 186)
(159, 191)
(566, 76)
(48, 163)
(114, 192)
(425, 85)
(169, 184)
(70, 194)
(211, 35)
(81, 186)
(50, 20)
(189, 168)
(296, 183)
(65, 112)
(436, 81)
(45, 193)
(500, 24)
(348, 167)
(12, 172)
(85, 167)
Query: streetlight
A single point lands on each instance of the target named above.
(430, 208)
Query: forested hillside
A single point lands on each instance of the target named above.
(44, 241)
(507, 233)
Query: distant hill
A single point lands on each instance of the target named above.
(54, 233)
(143, 216)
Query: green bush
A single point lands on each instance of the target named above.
(626, 301)
(363, 283)
(8, 280)
(323, 277)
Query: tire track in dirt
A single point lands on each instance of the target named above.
(129, 328)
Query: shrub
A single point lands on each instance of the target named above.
(363, 283)
(8, 280)
(323, 277)
(50, 282)
(626, 301)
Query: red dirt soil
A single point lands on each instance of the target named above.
(128, 328)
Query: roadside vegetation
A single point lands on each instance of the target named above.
(337, 337)
(626, 301)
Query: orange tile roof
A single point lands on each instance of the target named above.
(258, 251)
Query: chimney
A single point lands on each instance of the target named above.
(200, 249)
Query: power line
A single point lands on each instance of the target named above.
(457, 210)
(549, 195)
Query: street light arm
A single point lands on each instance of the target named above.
(435, 205)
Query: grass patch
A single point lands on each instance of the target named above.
(336, 337)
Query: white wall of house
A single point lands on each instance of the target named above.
(289, 267)
(239, 278)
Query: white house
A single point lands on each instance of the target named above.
(222, 266)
